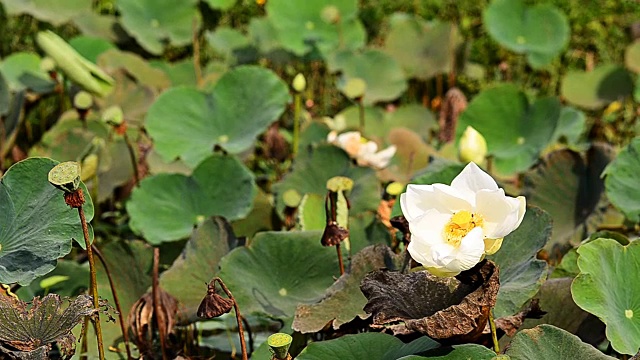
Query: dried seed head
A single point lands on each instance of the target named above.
(333, 234)
(214, 305)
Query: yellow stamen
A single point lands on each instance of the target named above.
(460, 225)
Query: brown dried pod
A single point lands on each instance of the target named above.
(333, 234)
(451, 310)
(453, 105)
(213, 305)
(140, 318)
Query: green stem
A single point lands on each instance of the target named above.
(494, 335)
(93, 284)
(361, 113)
(296, 122)
(132, 157)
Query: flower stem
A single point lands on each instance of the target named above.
(93, 284)
(340, 259)
(125, 333)
(156, 300)
(243, 345)
(296, 122)
(494, 336)
(361, 113)
(132, 157)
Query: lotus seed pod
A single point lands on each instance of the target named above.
(330, 14)
(83, 100)
(65, 176)
(339, 183)
(299, 83)
(279, 344)
(395, 188)
(291, 198)
(472, 147)
(355, 88)
(113, 115)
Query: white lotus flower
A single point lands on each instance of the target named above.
(364, 151)
(454, 227)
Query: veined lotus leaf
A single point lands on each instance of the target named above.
(90, 47)
(516, 26)
(620, 181)
(36, 226)
(384, 78)
(606, 287)
(154, 23)
(423, 49)
(77, 281)
(179, 73)
(549, 342)
(568, 186)
(56, 12)
(505, 107)
(370, 346)
(279, 270)
(243, 103)
(598, 88)
(135, 66)
(314, 167)
(632, 57)
(521, 274)
(22, 71)
(165, 207)
(456, 352)
(300, 26)
(199, 260)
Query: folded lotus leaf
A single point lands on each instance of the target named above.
(443, 308)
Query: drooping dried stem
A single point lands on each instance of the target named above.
(125, 333)
(156, 301)
(93, 284)
(340, 259)
(243, 345)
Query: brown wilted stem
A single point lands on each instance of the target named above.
(494, 336)
(243, 345)
(132, 157)
(156, 300)
(340, 259)
(125, 333)
(93, 284)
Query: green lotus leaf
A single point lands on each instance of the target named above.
(382, 75)
(135, 66)
(516, 26)
(221, 4)
(165, 207)
(263, 34)
(549, 342)
(531, 126)
(132, 98)
(131, 282)
(620, 181)
(571, 128)
(370, 346)
(209, 242)
(300, 27)
(90, 47)
(36, 226)
(91, 23)
(77, 281)
(78, 69)
(312, 170)
(278, 271)
(5, 101)
(568, 186)
(179, 73)
(632, 57)
(521, 274)
(595, 89)
(344, 301)
(423, 49)
(155, 23)
(456, 352)
(243, 103)
(606, 287)
(225, 40)
(56, 12)
(22, 71)
(259, 219)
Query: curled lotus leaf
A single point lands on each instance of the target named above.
(443, 308)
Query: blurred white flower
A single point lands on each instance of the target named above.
(454, 227)
(364, 151)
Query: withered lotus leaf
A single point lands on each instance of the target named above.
(443, 308)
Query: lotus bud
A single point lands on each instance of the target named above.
(299, 83)
(82, 101)
(472, 146)
(113, 115)
(355, 88)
